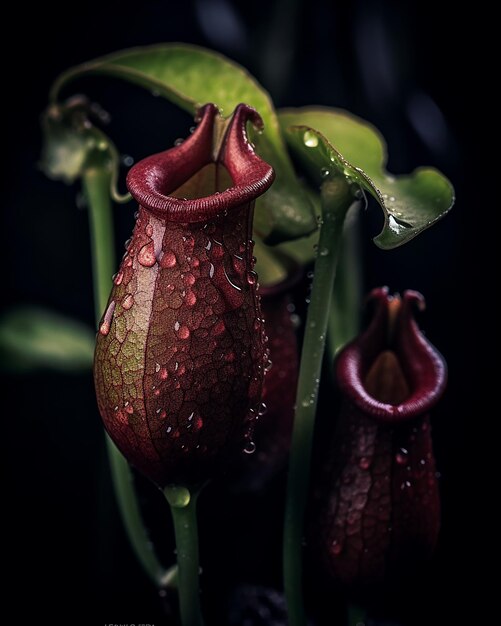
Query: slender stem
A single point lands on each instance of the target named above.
(131, 515)
(336, 199)
(96, 183)
(183, 506)
(344, 315)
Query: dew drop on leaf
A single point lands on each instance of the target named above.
(310, 139)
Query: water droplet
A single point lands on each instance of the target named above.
(104, 329)
(169, 429)
(127, 160)
(310, 139)
(128, 301)
(149, 230)
(397, 225)
(323, 252)
(364, 463)
(250, 448)
(337, 547)
(146, 255)
(211, 270)
(251, 277)
(230, 281)
(183, 332)
(176, 326)
(129, 408)
(310, 275)
(118, 277)
(402, 456)
(168, 259)
(391, 198)
(102, 145)
(261, 409)
(157, 367)
(127, 243)
(179, 141)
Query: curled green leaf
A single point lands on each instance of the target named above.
(32, 338)
(325, 139)
(72, 144)
(190, 76)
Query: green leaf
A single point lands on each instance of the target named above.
(32, 338)
(304, 250)
(324, 139)
(190, 76)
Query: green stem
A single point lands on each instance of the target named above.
(336, 199)
(96, 183)
(183, 506)
(344, 315)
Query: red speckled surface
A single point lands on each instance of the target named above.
(180, 355)
(377, 513)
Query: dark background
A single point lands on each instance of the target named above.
(407, 69)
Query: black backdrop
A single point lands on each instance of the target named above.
(405, 68)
